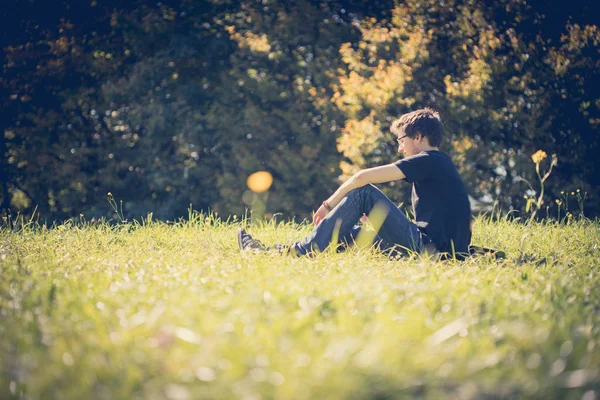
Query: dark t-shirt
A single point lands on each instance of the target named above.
(439, 199)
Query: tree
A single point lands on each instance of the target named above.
(495, 85)
(178, 102)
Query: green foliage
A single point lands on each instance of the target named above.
(159, 310)
(176, 103)
(269, 117)
(494, 81)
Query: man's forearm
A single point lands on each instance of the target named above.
(384, 173)
(354, 182)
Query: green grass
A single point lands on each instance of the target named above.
(175, 311)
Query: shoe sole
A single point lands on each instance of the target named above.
(239, 238)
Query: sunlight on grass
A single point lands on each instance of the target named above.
(175, 311)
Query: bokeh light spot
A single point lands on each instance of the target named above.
(260, 181)
(248, 197)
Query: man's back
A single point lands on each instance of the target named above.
(440, 202)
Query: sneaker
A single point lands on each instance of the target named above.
(248, 243)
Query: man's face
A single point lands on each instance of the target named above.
(408, 146)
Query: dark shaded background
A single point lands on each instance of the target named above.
(175, 103)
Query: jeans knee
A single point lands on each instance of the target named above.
(362, 195)
(362, 190)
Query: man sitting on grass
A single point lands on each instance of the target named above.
(439, 199)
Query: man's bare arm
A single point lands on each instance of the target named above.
(384, 173)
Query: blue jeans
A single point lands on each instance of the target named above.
(397, 233)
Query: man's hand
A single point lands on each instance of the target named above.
(320, 214)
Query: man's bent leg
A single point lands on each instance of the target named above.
(395, 230)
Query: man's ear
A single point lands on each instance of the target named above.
(422, 139)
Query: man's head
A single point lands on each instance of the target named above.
(418, 131)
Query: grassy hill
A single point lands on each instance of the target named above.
(175, 311)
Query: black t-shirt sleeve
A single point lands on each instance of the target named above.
(418, 167)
